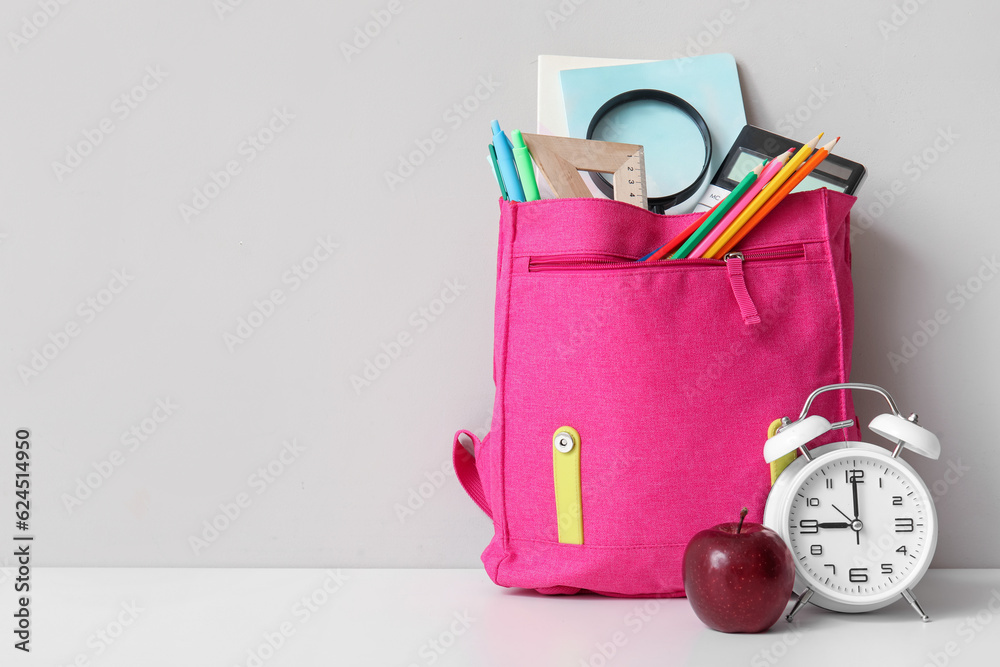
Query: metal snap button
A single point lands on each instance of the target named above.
(563, 442)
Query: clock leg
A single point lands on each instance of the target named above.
(801, 602)
(908, 596)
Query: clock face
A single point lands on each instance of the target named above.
(860, 525)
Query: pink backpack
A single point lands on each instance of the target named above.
(633, 399)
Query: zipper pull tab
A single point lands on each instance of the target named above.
(734, 263)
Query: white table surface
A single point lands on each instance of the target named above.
(217, 617)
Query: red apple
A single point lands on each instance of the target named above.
(738, 576)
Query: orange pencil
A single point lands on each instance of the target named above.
(680, 238)
(758, 202)
(776, 198)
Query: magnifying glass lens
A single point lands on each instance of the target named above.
(673, 146)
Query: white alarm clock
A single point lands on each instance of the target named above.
(859, 521)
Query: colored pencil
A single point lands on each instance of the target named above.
(663, 250)
(722, 211)
(782, 192)
(763, 196)
(770, 171)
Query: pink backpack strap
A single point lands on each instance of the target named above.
(465, 470)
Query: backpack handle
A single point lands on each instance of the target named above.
(465, 470)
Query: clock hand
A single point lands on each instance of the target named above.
(842, 514)
(854, 489)
(857, 532)
(835, 525)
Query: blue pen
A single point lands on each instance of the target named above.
(505, 158)
(496, 172)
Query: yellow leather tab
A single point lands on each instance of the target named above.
(778, 465)
(566, 473)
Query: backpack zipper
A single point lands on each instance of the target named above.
(733, 262)
(611, 261)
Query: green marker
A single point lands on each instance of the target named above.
(717, 215)
(522, 158)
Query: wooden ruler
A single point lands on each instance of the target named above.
(561, 159)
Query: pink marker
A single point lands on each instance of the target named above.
(772, 168)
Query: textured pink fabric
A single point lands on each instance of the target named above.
(670, 388)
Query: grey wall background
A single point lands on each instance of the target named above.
(123, 300)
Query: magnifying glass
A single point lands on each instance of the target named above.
(667, 127)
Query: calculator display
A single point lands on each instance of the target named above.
(747, 160)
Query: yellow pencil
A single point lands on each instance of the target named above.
(764, 195)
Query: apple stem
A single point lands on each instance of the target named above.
(743, 515)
